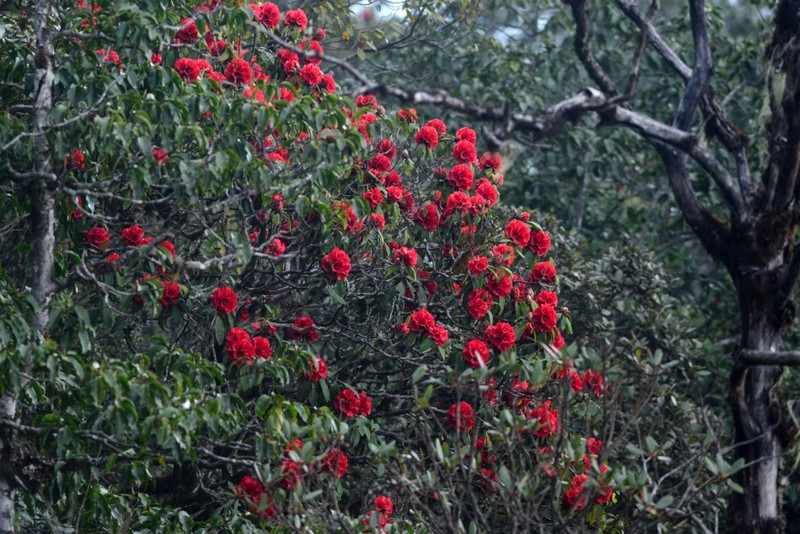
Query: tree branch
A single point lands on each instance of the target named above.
(583, 47)
(754, 357)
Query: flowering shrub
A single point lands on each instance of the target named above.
(309, 267)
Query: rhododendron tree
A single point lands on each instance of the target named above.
(279, 303)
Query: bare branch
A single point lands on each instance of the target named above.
(583, 47)
(755, 357)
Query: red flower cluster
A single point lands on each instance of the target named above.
(239, 346)
(544, 318)
(479, 303)
(170, 294)
(596, 381)
(304, 329)
(251, 491)
(461, 416)
(546, 418)
(224, 300)
(267, 14)
(405, 256)
(334, 462)
(427, 136)
(296, 17)
(501, 336)
(422, 321)
(543, 272)
(188, 33)
(76, 160)
(461, 177)
(539, 243)
(318, 369)
(348, 403)
(160, 156)
(238, 72)
(476, 353)
(133, 236)
(98, 238)
(518, 232)
(336, 265)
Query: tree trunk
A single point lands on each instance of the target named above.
(40, 187)
(757, 437)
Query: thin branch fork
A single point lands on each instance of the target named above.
(757, 357)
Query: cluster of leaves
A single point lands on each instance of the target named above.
(278, 306)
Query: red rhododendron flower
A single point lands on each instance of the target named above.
(422, 321)
(501, 336)
(488, 191)
(328, 83)
(461, 416)
(170, 294)
(347, 403)
(76, 160)
(519, 396)
(188, 32)
(296, 17)
(518, 232)
(544, 319)
(468, 135)
(291, 474)
(386, 148)
(378, 220)
(427, 217)
(114, 256)
(240, 346)
(408, 115)
(336, 264)
(252, 493)
(461, 177)
(427, 136)
(155, 58)
(379, 164)
(464, 151)
(366, 100)
(364, 404)
(575, 496)
(437, 125)
(276, 248)
(498, 284)
(238, 71)
(544, 271)
(304, 329)
(224, 300)
(314, 47)
(334, 462)
(188, 69)
(262, 347)
(489, 161)
(384, 505)
(546, 418)
(596, 381)
(546, 298)
(477, 264)
(267, 14)
(311, 74)
(479, 303)
(160, 156)
(133, 236)
(558, 340)
(439, 335)
(318, 369)
(476, 353)
(504, 254)
(457, 201)
(374, 197)
(98, 238)
(539, 243)
(406, 256)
